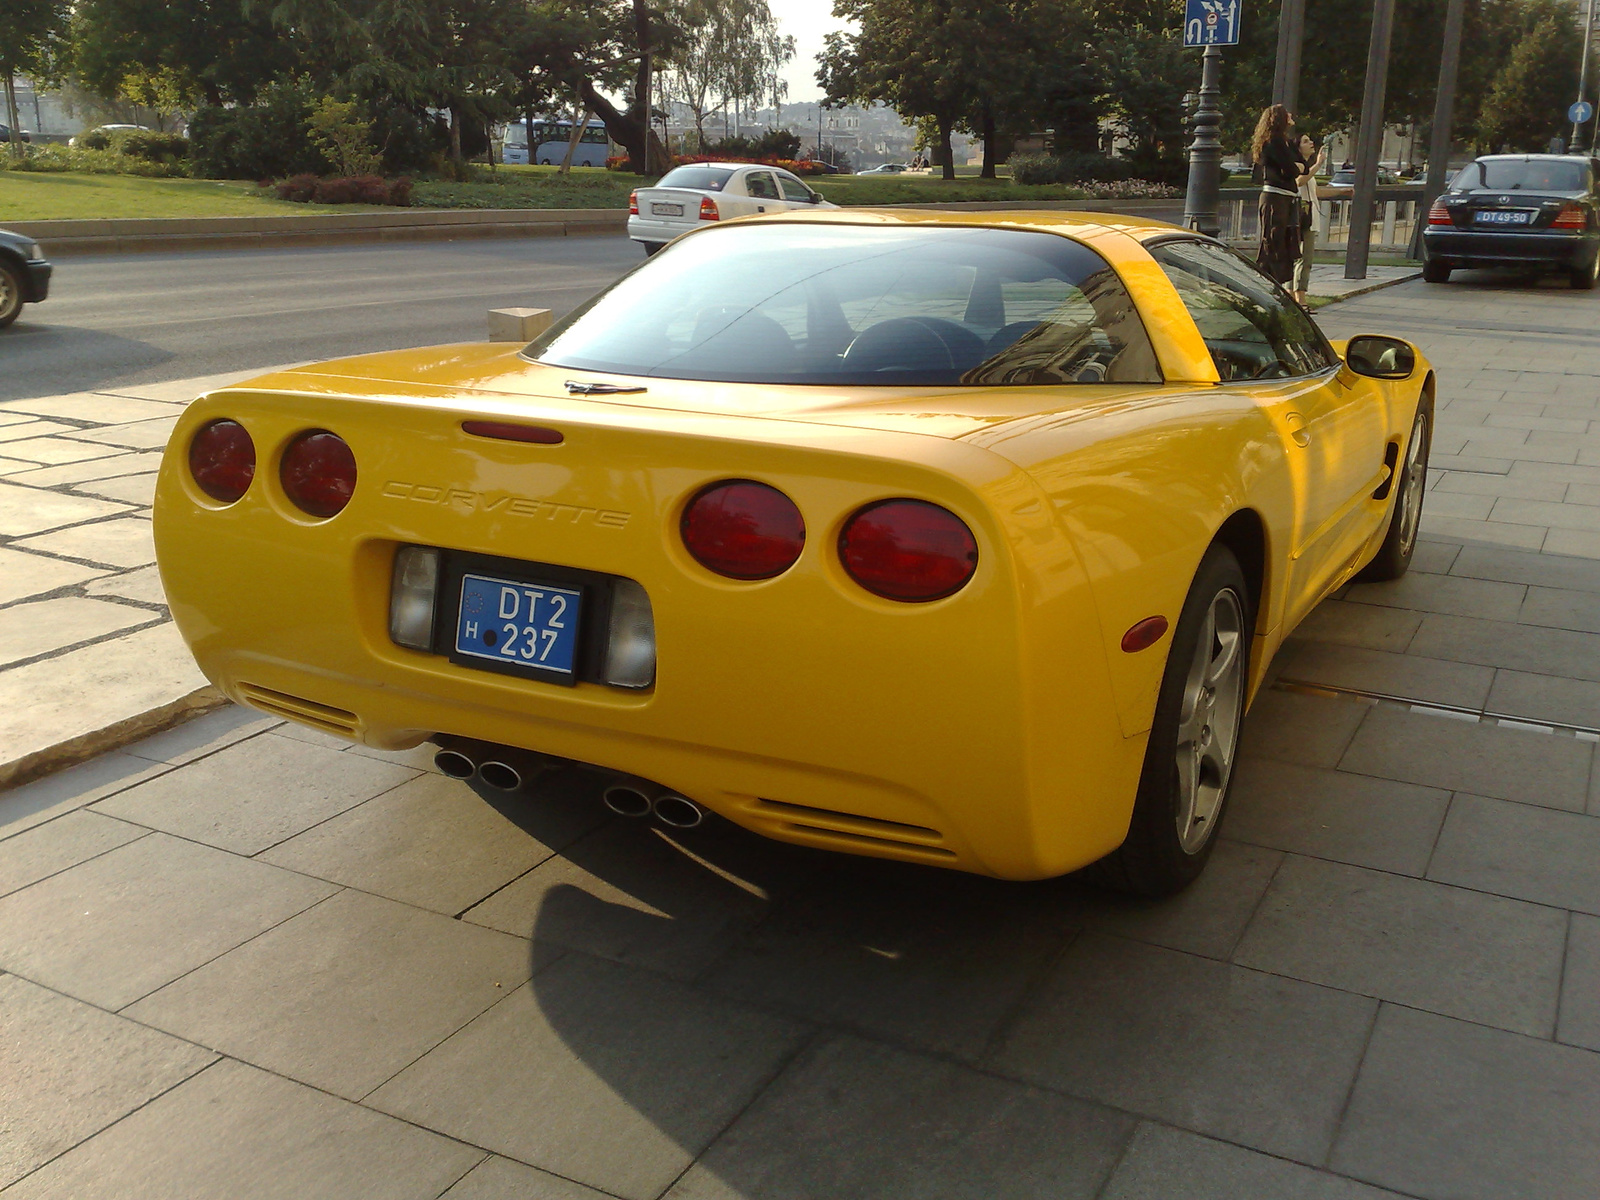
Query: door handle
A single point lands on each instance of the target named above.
(1298, 430)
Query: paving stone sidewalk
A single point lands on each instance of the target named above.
(242, 959)
(88, 653)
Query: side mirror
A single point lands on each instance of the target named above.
(816, 197)
(1380, 357)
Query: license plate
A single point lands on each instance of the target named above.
(1511, 216)
(665, 210)
(514, 623)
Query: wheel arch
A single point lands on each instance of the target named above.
(1245, 534)
(19, 266)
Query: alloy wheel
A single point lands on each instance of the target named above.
(1413, 484)
(1208, 722)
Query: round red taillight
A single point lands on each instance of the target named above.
(318, 472)
(222, 459)
(743, 529)
(908, 550)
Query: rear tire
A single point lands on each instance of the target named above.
(10, 294)
(1435, 272)
(1393, 558)
(651, 247)
(1583, 278)
(1188, 763)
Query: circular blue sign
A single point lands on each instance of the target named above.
(1580, 112)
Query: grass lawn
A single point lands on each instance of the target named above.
(30, 196)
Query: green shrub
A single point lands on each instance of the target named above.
(344, 136)
(1035, 168)
(82, 160)
(262, 141)
(150, 145)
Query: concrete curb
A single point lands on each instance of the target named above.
(113, 737)
(134, 236)
(1371, 287)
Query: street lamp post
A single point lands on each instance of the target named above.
(1205, 152)
(1583, 71)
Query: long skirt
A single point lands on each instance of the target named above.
(1280, 236)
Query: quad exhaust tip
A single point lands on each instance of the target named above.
(626, 800)
(503, 777)
(678, 812)
(628, 797)
(455, 764)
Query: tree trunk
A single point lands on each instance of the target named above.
(455, 137)
(577, 135)
(11, 114)
(990, 151)
(947, 155)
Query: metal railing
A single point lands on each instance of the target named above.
(1395, 215)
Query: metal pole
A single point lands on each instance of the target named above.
(1583, 68)
(1369, 140)
(1205, 152)
(1444, 104)
(1286, 71)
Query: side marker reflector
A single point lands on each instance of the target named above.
(1144, 635)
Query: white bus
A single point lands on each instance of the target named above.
(544, 140)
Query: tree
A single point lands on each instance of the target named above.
(454, 55)
(1527, 102)
(32, 39)
(219, 51)
(614, 45)
(729, 51)
(921, 57)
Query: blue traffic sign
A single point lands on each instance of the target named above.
(1580, 112)
(1211, 23)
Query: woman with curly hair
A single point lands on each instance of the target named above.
(1279, 161)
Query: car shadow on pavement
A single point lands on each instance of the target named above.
(718, 999)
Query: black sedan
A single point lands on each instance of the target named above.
(1532, 211)
(24, 275)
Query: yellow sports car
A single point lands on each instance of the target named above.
(956, 538)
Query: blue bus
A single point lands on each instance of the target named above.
(544, 140)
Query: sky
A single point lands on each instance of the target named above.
(808, 21)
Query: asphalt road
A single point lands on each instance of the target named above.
(119, 321)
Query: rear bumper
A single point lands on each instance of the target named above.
(1500, 248)
(645, 229)
(800, 707)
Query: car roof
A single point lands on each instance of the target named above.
(734, 166)
(1532, 158)
(1098, 227)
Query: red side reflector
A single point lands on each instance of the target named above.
(1144, 635)
(507, 431)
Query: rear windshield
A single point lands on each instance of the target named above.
(1521, 174)
(834, 304)
(705, 179)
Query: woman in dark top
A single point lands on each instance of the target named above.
(1279, 161)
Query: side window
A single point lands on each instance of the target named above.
(759, 184)
(793, 189)
(1251, 328)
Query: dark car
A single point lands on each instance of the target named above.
(24, 275)
(22, 134)
(1539, 211)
